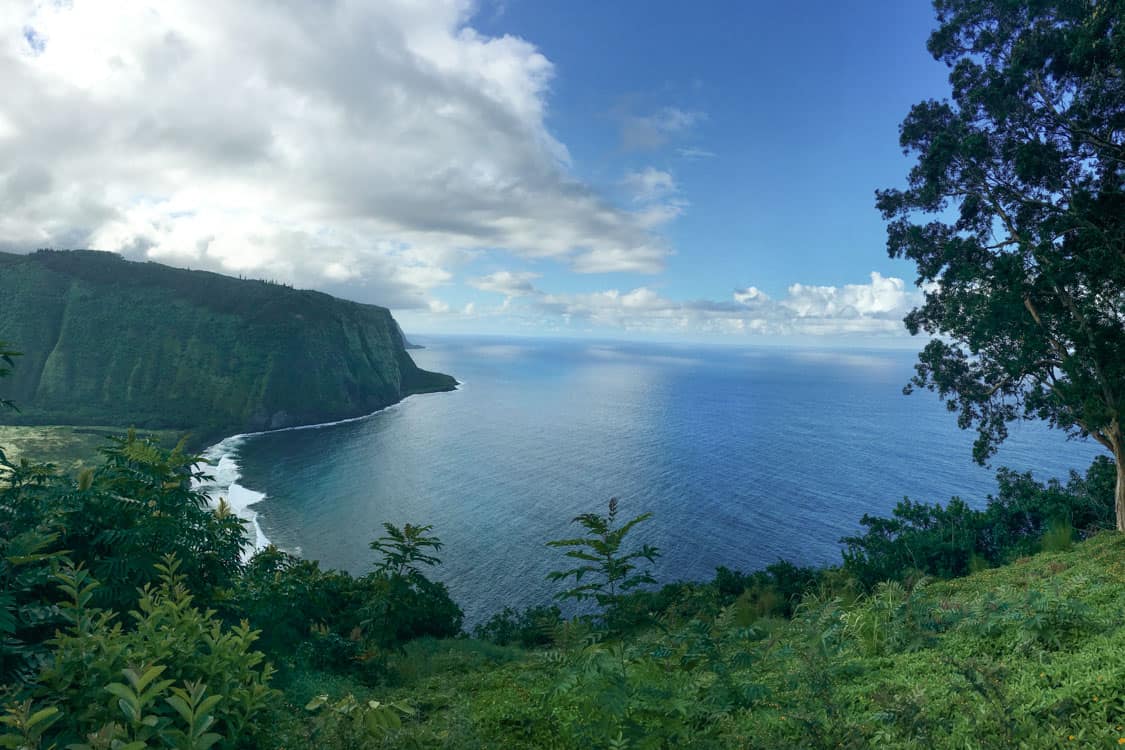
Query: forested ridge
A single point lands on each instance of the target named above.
(108, 341)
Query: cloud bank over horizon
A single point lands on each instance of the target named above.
(872, 309)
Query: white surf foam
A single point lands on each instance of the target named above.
(222, 458)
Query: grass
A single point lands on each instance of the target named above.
(68, 447)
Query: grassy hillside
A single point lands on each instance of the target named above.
(108, 341)
(1028, 655)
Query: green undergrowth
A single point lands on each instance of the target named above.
(1028, 655)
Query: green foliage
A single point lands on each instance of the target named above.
(890, 620)
(350, 723)
(109, 341)
(184, 673)
(948, 541)
(121, 518)
(397, 609)
(28, 613)
(773, 592)
(24, 725)
(329, 620)
(294, 603)
(1058, 537)
(1019, 175)
(7, 362)
(530, 628)
(194, 707)
(140, 506)
(613, 571)
(403, 549)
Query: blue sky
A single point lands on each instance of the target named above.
(631, 169)
(799, 103)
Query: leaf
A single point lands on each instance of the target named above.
(43, 714)
(181, 707)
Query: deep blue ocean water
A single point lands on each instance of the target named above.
(744, 455)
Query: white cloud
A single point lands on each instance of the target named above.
(371, 146)
(875, 308)
(750, 295)
(882, 295)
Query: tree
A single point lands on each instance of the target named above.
(612, 571)
(1022, 258)
(7, 362)
(402, 549)
(403, 603)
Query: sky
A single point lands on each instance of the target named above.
(628, 169)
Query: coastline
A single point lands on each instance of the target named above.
(222, 458)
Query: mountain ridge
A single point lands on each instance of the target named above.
(106, 340)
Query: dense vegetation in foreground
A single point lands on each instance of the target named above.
(129, 620)
(109, 341)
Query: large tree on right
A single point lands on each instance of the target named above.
(1015, 216)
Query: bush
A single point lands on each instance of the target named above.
(177, 676)
(952, 540)
(529, 629)
(120, 519)
(330, 620)
(773, 592)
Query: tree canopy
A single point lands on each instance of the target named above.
(1015, 216)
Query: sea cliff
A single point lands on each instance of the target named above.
(109, 341)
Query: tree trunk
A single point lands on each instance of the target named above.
(1119, 491)
(1117, 444)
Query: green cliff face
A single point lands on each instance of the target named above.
(109, 341)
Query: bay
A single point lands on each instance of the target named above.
(744, 456)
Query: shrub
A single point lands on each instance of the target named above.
(612, 572)
(530, 628)
(172, 678)
(332, 621)
(952, 540)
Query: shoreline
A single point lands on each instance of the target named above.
(223, 455)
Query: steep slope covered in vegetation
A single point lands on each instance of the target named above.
(109, 341)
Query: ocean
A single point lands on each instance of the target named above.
(744, 456)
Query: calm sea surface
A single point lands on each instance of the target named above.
(743, 455)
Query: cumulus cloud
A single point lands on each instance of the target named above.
(875, 308)
(882, 295)
(370, 146)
